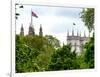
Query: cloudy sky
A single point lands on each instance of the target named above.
(55, 21)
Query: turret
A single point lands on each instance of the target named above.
(40, 31)
(72, 32)
(84, 34)
(31, 30)
(67, 32)
(77, 33)
(80, 34)
(22, 30)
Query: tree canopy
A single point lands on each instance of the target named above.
(87, 16)
(64, 59)
(34, 53)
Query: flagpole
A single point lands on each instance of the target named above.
(31, 17)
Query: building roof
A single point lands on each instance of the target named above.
(76, 38)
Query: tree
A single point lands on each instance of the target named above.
(25, 56)
(53, 41)
(63, 59)
(89, 52)
(87, 16)
(33, 53)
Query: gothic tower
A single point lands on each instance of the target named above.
(84, 34)
(40, 31)
(72, 32)
(80, 34)
(22, 30)
(31, 30)
(67, 32)
(77, 33)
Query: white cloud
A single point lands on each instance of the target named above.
(55, 20)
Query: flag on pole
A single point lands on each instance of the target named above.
(34, 14)
(21, 6)
(74, 23)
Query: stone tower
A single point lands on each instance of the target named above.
(40, 31)
(31, 30)
(77, 41)
(22, 30)
(31, 27)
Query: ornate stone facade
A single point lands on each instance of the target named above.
(77, 41)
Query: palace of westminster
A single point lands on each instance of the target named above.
(77, 41)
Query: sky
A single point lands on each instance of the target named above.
(56, 21)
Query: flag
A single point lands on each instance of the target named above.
(74, 24)
(17, 14)
(33, 14)
(21, 6)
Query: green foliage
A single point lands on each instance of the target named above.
(80, 60)
(53, 41)
(86, 59)
(35, 53)
(89, 52)
(25, 56)
(63, 59)
(87, 16)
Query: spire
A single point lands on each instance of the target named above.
(40, 32)
(22, 30)
(63, 43)
(67, 32)
(80, 34)
(31, 17)
(75, 46)
(84, 34)
(72, 32)
(77, 33)
(31, 27)
(31, 30)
